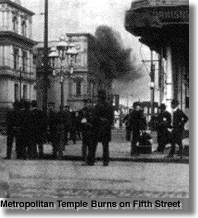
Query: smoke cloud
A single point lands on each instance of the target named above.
(116, 61)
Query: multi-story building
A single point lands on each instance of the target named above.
(163, 25)
(17, 72)
(86, 79)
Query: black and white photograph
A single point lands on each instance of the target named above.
(94, 99)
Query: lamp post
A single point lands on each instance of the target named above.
(64, 48)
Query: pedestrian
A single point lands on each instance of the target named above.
(127, 126)
(78, 125)
(67, 122)
(137, 123)
(12, 128)
(24, 130)
(102, 120)
(38, 128)
(179, 121)
(84, 115)
(89, 137)
(73, 128)
(163, 124)
(52, 123)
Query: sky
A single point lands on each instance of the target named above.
(69, 16)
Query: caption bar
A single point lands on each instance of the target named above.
(118, 204)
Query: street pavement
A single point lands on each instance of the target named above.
(126, 176)
(68, 179)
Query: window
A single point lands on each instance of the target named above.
(16, 58)
(78, 87)
(24, 28)
(24, 91)
(15, 24)
(24, 57)
(16, 92)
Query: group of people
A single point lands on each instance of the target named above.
(169, 128)
(27, 125)
(31, 128)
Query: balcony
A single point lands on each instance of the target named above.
(16, 74)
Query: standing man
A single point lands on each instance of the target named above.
(179, 121)
(38, 128)
(24, 130)
(102, 121)
(67, 122)
(128, 128)
(53, 130)
(137, 123)
(163, 123)
(83, 113)
(12, 128)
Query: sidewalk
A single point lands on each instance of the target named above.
(119, 151)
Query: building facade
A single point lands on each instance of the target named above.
(17, 71)
(85, 81)
(163, 26)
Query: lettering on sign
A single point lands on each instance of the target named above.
(173, 15)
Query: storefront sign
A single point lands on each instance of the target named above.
(157, 17)
(172, 15)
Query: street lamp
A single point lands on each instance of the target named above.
(64, 48)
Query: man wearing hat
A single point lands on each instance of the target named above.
(12, 127)
(38, 128)
(163, 123)
(137, 122)
(84, 114)
(67, 120)
(179, 121)
(102, 120)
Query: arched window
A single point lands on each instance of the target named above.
(15, 24)
(24, 28)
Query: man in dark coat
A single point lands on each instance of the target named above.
(24, 130)
(84, 114)
(102, 120)
(38, 127)
(67, 122)
(73, 129)
(137, 123)
(127, 125)
(163, 123)
(53, 130)
(12, 128)
(179, 121)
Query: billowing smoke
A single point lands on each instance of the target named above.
(116, 61)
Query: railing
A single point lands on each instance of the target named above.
(152, 3)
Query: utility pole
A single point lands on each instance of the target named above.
(45, 60)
